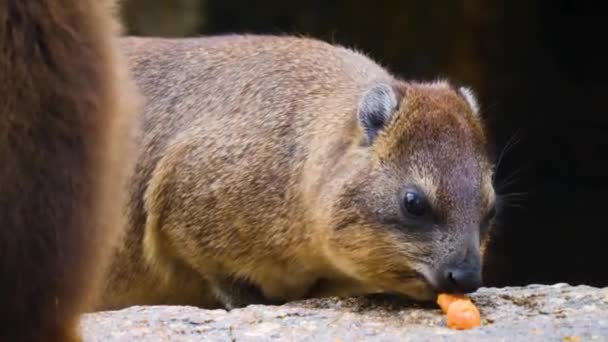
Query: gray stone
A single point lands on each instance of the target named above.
(556, 313)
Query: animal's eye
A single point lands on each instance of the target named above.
(414, 204)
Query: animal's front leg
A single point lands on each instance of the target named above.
(238, 293)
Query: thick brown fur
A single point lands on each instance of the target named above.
(258, 184)
(66, 118)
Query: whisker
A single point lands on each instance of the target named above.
(511, 179)
(515, 194)
(513, 140)
(513, 200)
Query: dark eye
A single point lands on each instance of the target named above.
(414, 203)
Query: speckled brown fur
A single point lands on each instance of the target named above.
(66, 108)
(258, 183)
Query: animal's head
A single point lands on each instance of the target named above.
(411, 214)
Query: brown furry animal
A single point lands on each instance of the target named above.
(66, 109)
(279, 168)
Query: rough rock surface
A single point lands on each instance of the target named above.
(555, 313)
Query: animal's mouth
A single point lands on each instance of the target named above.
(414, 285)
(429, 278)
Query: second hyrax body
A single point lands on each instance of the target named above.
(280, 168)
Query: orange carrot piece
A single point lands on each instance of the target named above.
(461, 312)
(444, 300)
(463, 315)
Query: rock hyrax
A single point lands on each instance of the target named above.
(280, 168)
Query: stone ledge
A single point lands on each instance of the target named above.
(558, 313)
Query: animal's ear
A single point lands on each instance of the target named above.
(469, 96)
(376, 107)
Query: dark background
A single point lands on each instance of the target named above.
(539, 70)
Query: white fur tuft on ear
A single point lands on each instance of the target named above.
(440, 83)
(470, 97)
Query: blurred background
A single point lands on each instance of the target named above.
(539, 70)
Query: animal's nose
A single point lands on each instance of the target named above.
(460, 279)
(463, 280)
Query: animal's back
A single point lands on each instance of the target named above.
(260, 78)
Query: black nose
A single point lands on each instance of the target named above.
(460, 280)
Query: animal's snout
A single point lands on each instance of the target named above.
(460, 279)
(460, 275)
